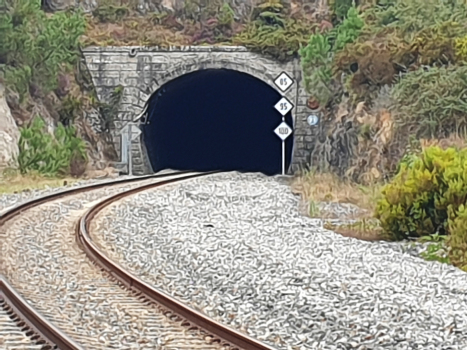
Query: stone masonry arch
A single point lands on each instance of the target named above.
(184, 68)
(142, 71)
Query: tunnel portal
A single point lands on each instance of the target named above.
(215, 119)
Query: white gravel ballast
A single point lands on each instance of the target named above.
(235, 247)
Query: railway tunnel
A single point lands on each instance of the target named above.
(215, 119)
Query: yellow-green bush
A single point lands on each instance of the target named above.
(461, 48)
(424, 195)
(457, 241)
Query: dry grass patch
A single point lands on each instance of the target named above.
(357, 202)
(134, 30)
(329, 188)
(14, 183)
(364, 229)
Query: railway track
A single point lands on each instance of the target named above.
(76, 298)
(15, 333)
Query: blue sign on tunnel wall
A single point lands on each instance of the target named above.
(312, 119)
(216, 119)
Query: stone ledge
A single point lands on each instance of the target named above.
(210, 48)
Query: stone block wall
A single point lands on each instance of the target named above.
(142, 70)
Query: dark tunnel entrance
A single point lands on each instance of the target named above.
(216, 119)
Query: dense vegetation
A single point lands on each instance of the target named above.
(59, 154)
(39, 57)
(35, 48)
(406, 57)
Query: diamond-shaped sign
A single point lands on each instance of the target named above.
(283, 106)
(283, 131)
(283, 81)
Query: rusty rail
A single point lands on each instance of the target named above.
(196, 318)
(47, 330)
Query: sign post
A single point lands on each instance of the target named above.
(283, 131)
(283, 157)
(284, 106)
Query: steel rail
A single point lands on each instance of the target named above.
(34, 320)
(46, 329)
(196, 318)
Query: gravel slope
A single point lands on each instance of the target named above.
(234, 246)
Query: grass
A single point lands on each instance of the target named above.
(329, 188)
(12, 182)
(437, 250)
(364, 229)
(316, 187)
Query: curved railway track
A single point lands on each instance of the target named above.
(123, 311)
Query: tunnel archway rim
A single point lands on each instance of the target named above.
(185, 68)
(176, 72)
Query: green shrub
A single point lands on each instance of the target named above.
(421, 198)
(316, 60)
(46, 154)
(34, 47)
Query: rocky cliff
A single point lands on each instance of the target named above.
(9, 134)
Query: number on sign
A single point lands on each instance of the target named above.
(283, 81)
(283, 131)
(284, 106)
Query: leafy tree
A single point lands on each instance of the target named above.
(34, 47)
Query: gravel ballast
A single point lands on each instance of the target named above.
(10, 200)
(43, 262)
(235, 247)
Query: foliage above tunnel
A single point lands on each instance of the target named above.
(272, 32)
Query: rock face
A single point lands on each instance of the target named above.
(61, 5)
(9, 134)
